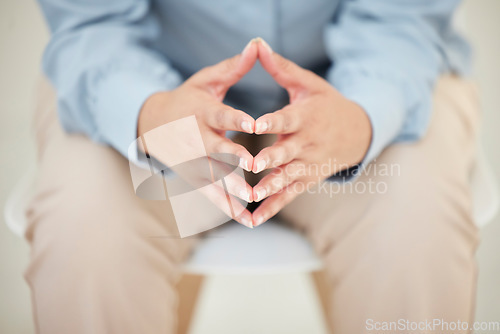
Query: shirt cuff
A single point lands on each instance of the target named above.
(383, 102)
(118, 101)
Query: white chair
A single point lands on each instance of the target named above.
(267, 256)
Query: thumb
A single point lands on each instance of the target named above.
(284, 71)
(221, 76)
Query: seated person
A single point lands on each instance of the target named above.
(353, 85)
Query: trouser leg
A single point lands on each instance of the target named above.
(102, 259)
(404, 248)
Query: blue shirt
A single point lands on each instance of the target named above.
(106, 57)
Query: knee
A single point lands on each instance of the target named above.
(95, 236)
(418, 225)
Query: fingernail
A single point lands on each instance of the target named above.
(260, 166)
(264, 44)
(247, 127)
(247, 47)
(245, 196)
(244, 164)
(259, 221)
(247, 222)
(261, 193)
(261, 127)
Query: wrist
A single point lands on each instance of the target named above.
(150, 112)
(365, 133)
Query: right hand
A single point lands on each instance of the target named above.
(202, 95)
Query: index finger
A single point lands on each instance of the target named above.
(219, 77)
(225, 118)
(283, 121)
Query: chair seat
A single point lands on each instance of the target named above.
(234, 249)
(485, 196)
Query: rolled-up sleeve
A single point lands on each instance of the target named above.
(387, 55)
(102, 61)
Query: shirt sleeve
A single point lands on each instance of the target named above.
(387, 55)
(102, 62)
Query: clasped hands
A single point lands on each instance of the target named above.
(318, 127)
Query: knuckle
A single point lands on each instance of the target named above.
(278, 156)
(215, 148)
(239, 150)
(278, 183)
(272, 153)
(286, 124)
(286, 152)
(236, 118)
(220, 118)
(284, 63)
(224, 145)
(285, 121)
(279, 171)
(230, 64)
(273, 188)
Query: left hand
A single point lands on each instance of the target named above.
(319, 134)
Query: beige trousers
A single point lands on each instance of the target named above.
(403, 250)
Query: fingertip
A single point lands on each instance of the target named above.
(246, 220)
(244, 164)
(265, 54)
(251, 197)
(246, 195)
(264, 45)
(243, 121)
(259, 220)
(247, 127)
(263, 124)
(259, 166)
(248, 47)
(246, 159)
(261, 127)
(259, 194)
(250, 52)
